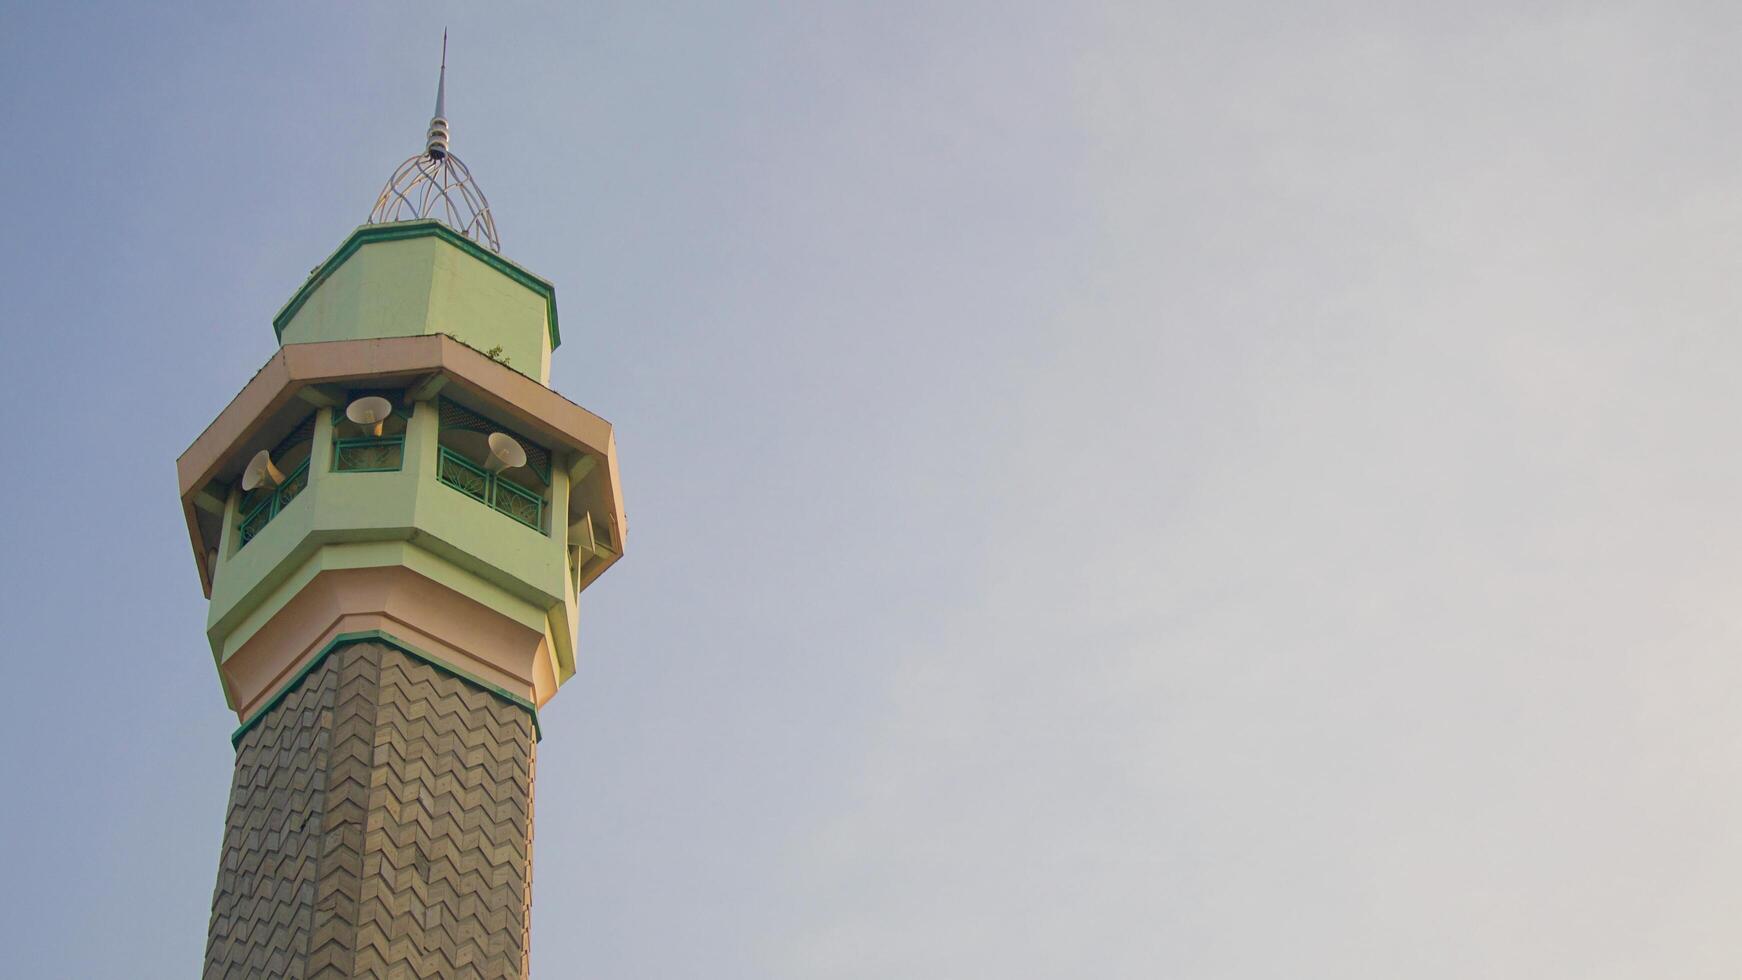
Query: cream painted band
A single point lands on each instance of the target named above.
(457, 632)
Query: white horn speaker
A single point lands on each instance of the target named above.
(369, 412)
(581, 534)
(261, 472)
(505, 453)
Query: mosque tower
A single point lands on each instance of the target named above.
(393, 522)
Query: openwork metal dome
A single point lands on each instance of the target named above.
(436, 184)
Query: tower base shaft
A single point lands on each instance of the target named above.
(380, 824)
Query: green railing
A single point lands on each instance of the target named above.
(263, 512)
(463, 475)
(519, 503)
(485, 487)
(369, 454)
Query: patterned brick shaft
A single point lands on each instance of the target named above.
(380, 825)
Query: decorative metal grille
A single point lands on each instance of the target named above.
(304, 432)
(369, 455)
(460, 473)
(439, 187)
(256, 521)
(521, 504)
(455, 416)
(293, 484)
(262, 513)
(500, 493)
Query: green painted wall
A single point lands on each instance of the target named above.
(406, 517)
(421, 278)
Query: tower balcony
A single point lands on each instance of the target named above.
(406, 529)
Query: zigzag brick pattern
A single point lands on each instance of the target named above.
(380, 826)
(266, 878)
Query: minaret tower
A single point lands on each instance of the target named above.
(393, 521)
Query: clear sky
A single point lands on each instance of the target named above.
(1234, 490)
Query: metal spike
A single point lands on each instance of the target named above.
(442, 82)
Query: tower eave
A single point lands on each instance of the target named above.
(301, 376)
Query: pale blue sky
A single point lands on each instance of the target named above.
(1118, 490)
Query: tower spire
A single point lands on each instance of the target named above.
(437, 146)
(435, 184)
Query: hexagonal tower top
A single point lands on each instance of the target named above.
(412, 278)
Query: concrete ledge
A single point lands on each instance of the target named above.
(439, 624)
(259, 414)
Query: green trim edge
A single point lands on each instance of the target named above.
(380, 636)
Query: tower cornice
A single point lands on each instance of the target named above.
(301, 375)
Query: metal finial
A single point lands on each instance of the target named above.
(435, 184)
(438, 123)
